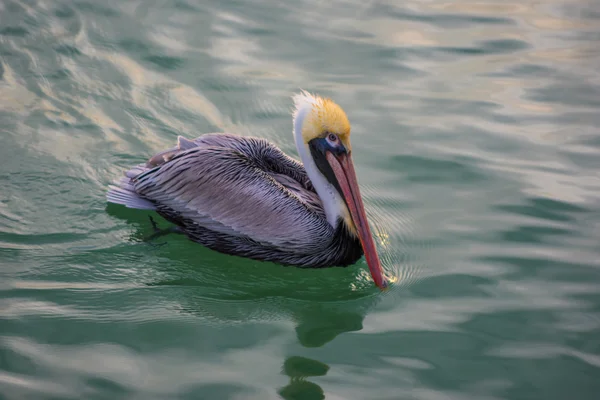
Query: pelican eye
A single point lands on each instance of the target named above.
(332, 138)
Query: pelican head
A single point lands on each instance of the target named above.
(322, 134)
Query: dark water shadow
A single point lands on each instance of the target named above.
(298, 369)
(317, 323)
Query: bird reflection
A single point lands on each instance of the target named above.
(299, 368)
(322, 304)
(319, 324)
(316, 325)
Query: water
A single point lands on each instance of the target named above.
(476, 139)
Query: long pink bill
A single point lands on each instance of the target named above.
(343, 169)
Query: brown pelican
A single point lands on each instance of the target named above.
(243, 196)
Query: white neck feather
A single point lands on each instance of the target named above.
(333, 203)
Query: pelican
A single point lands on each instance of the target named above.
(243, 196)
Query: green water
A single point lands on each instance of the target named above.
(476, 139)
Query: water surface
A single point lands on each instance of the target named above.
(476, 140)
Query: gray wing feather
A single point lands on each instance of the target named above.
(238, 186)
(266, 155)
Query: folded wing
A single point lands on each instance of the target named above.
(243, 187)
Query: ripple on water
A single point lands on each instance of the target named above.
(446, 20)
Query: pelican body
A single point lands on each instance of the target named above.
(243, 196)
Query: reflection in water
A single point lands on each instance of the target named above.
(319, 324)
(299, 368)
(317, 321)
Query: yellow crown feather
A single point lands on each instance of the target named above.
(321, 117)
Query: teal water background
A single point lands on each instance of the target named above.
(476, 138)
